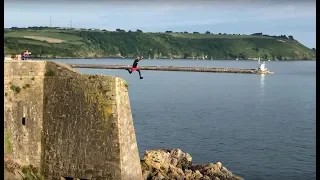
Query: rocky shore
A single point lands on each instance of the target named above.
(160, 164)
(174, 164)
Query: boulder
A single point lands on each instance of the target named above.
(163, 164)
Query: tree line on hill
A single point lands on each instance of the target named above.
(290, 37)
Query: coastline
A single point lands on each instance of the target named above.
(157, 164)
(130, 58)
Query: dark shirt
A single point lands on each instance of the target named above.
(135, 63)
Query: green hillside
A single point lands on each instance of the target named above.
(71, 43)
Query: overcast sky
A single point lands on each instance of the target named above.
(297, 18)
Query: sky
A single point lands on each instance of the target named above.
(273, 17)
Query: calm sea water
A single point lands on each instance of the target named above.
(258, 126)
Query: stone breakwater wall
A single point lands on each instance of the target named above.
(176, 68)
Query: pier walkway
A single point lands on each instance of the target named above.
(175, 68)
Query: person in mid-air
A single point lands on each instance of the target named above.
(135, 66)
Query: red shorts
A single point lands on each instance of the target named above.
(134, 69)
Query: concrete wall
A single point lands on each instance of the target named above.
(87, 129)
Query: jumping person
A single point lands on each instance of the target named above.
(135, 66)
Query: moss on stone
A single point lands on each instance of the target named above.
(15, 89)
(50, 72)
(26, 86)
(31, 172)
(21, 172)
(95, 94)
(126, 84)
(8, 144)
(144, 165)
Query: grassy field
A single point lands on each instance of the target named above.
(54, 35)
(84, 43)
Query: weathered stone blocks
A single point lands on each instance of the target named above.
(75, 125)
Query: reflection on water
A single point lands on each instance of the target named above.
(262, 87)
(262, 79)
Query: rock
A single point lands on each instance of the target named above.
(176, 174)
(14, 171)
(180, 159)
(165, 164)
(188, 174)
(159, 176)
(214, 171)
(196, 175)
(219, 165)
(146, 174)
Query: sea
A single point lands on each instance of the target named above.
(260, 127)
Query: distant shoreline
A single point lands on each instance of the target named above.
(128, 58)
(53, 43)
